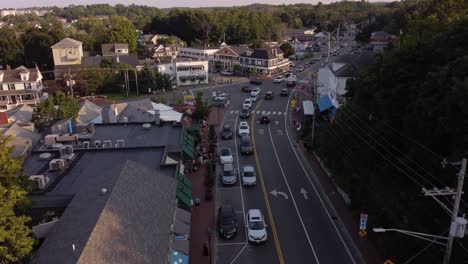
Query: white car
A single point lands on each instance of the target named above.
(256, 226)
(249, 178)
(247, 103)
(255, 91)
(218, 96)
(244, 129)
(227, 73)
(253, 97)
(225, 156)
(278, 79)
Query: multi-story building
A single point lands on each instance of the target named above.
(264, 61)
(166, 51)
(186, 71)
(228, 56)
(300, 34)
(67, 53)
(20, 86)
(197, 53)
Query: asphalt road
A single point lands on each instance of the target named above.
(301, 226)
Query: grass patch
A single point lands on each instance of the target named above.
(119, 96)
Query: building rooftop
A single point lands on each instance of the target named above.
(129, 223)
(109, 49)
(14, 76)
(67, 43)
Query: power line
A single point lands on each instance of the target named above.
(422, 250)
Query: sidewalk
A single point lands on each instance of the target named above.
(203, 216)
(368, 252)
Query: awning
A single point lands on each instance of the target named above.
(186, 181)
(308, 107)
(179, 258)
(184, 201)
(185, 189)
(324, 103)
(188, 151)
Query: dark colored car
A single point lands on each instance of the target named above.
(227, 221)
(265, 120)
(269, 95)
(245, 113)
(246, 145)
(256, 81)
(246, 89)
(226, 133)
(284, 92)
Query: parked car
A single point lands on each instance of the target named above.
(256, 81)
(249, 178)
(225, 156)
(289, 74)
(278, 79)
(265, 120)
(227, 73)
(269, 95)
(247, 103)
(227, 221)
(256, 227)
(226, 133)
(244, 129)
(245, 113)
(256, 91)
(229, 176)
(284, 92)
(301, 68)
(246, 88)
(246, 145)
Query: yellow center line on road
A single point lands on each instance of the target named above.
(265, 194)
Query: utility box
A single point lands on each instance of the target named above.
(457, 228)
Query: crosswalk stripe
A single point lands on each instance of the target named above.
(274, 113)
(237, 111)
(232, 112)
(263, 112)
(258, 112)
(268, 113)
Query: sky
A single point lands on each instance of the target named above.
(156, 3)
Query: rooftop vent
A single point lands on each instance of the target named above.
(146, 126)
(103, 191)
(45, 156)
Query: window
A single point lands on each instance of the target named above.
(11, 87)
(259, 63)
(27, 86)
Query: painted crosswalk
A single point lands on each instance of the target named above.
(259, 112)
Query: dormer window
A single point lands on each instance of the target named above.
(24, 75)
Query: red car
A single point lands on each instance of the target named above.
(246, 89)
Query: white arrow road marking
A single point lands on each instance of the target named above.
(275, 193)
(276, 122)
(304, 193)
(261, 131)
(279, 132)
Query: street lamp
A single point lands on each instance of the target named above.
(422, 236)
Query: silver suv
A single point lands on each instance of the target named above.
(229, 176)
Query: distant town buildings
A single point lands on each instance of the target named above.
(300, 34)
(380, 39)
(16, 12)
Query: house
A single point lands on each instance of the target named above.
(157, 37)
(89, 113)
(380, 39)
(186, 71)
(67, 53)
(116, 49)
(62, 19)
(300, 34)
(228, 56)
(171, 51)
(20, 86)
(332, 77)
(264, 61)
(139, 111)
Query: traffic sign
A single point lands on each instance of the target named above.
(362, 233)
(293, 103)
(363, 222)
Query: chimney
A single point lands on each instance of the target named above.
(157, 120)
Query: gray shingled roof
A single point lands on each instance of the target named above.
(67, 43)
(265, 54)
(109, 49)
(129, 224)
(13, 76)
(88, 112)
(354, 64)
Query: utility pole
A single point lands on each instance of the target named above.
(70, 82)
(456, 206)
(136, 82)
(457, 223)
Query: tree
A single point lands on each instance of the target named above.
(10, 167)
(54, 108)
(287, 49)
(15, 236)
(236, 68)
(201, 108)
(122, 31)
(67, 106)
(147, 79)
(12, 50)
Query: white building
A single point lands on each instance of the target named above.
(186, 71)
(20, 86)
(332, 77)
(197, 53)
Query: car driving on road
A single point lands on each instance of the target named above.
(247, 103)
(244, 129)
(245, 113)
(225, 156)
(255, 91)
(226, 133)
(256, 227)
(253, 97)
(246, 146)
(229, 176)
(278, 79)
(249, 178)
(246, 88)
(265, 120)
(284, 92)
(227, 221)
(269, 95)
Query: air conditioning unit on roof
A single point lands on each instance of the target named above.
(56, 164)
(38, 181)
